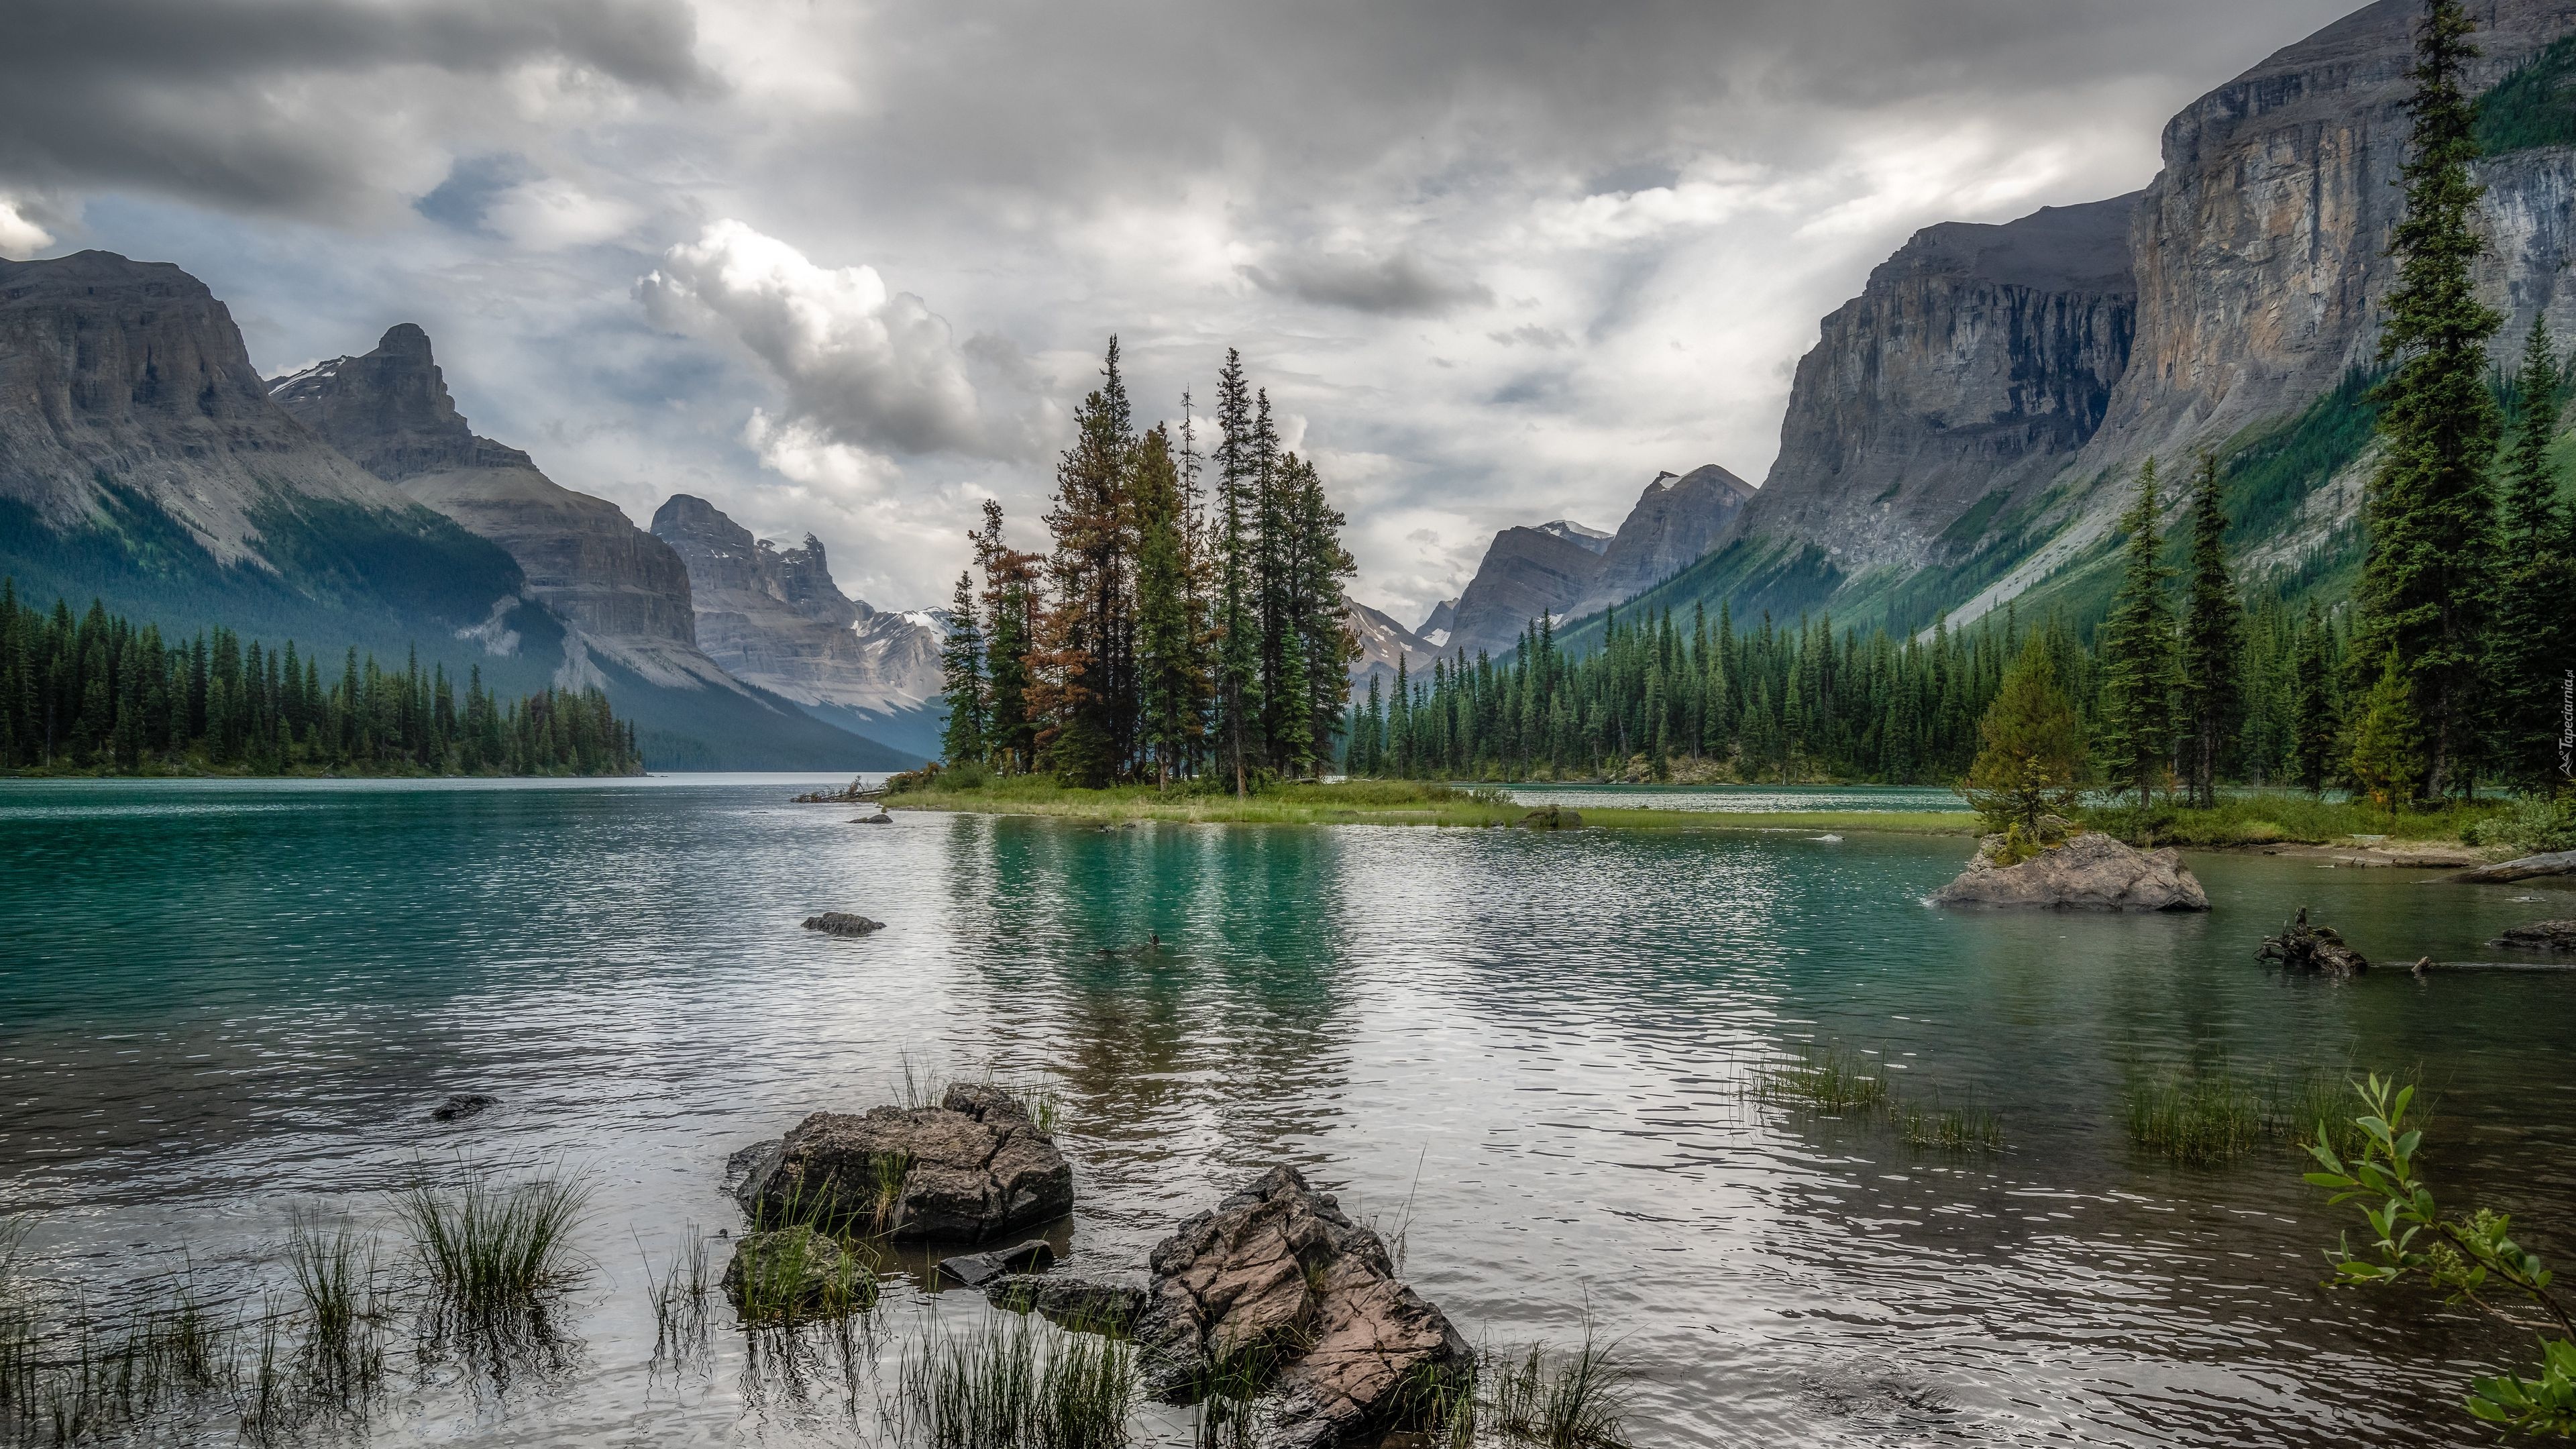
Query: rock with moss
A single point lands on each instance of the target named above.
(1277, 1296)
(2086, 872)
(971, 1168)
(1086, 1302)
(798, 1272)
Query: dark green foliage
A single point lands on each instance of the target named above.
(2531, 107)
(2471, 1258)
(2136, 726)
(1161, 641)
(2213, 644)
(2427, 578)
(1657, 699)
(102, 696)
(2535, 626)
(2032, 752)
(961, 658)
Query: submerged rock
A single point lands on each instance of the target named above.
(2540, 936)
(1092, 1305)
(977, 1269)
(1553, 817)
(1278, 1291)
(880, 818)
(2530, 867)
(2302, 947)
(795, 1273)
(462, 1106)
(2090, 872)
(840, 923)
(969, 1169)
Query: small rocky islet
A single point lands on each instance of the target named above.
(1275, 1290)
(2088, 871)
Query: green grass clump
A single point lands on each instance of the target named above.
(495, 1247)
(801, 1272)
(1951, 1129)
(2213, 1116)
(1825, 1080)
(995, 1387)
(1577, 1401)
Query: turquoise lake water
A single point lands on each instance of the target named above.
(223, 1002)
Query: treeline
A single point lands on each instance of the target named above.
(98, 694)
(1165, 636)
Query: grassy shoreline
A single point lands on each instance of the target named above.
(1374, 802)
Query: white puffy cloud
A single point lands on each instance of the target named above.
(20, 236)
(864, 368)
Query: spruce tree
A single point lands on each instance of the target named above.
(2385, 751)
(1010, 636)
(2313, 724)
(2535, 633)
(1170, 678)
(2137, 656)
(1238, 628)
(1085, 684)
(2213, 642)
(2427, 577)
(961, 660)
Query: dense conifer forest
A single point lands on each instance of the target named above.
(95, 694)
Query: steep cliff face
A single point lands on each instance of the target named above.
(1526, 572)
(624, 591)
(1673, 523)
(774, 617)
(145, 458)
(1974, 364)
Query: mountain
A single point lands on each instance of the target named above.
(774, 617)
(1444, 617)
(142, 462)
(1673, 523)
(1525, 572)
(620, 594)
(1575, 533)
(1382, 643)
(1967, 430)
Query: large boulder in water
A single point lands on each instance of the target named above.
(969, 1169)
(2540, 936)
(1277, 1292)
(2089, 872)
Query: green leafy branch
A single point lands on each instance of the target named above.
(2468, 1259)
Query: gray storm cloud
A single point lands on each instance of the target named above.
(1401, 285)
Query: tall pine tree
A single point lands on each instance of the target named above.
(961, 659)
(2535, 627)
(2137, 654)
(1170, 680)
(2427, 578)
(2213, 643)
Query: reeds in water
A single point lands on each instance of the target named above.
(1832, 1081)
(491, 1246)
(1572, 1401)
(2214, 1115)
(995, 1387)
(679, 1290)
(1951, 1129)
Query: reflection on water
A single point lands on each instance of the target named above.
(224, 1001)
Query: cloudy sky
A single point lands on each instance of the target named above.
(844, 267)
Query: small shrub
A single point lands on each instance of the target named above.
(2531, 825)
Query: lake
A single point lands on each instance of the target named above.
(225, 1002)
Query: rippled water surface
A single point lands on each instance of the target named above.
(223, 1001)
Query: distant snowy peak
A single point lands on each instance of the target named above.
(1575, 533)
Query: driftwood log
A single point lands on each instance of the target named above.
(2302, 947)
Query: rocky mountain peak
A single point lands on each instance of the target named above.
(1576, 534)
(390, 410)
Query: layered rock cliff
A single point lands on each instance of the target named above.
(1975, 363)
(625, 592)
(775, 617)
(1966, 430)
(144, 451)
